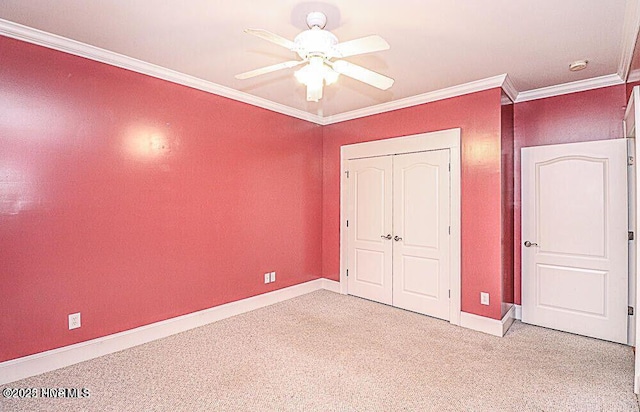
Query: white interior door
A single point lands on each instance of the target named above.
(421, 232)
(574, 233)
(370, 244)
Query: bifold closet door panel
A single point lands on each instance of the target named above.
(370, 227)
(421, 249)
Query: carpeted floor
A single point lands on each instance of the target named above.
(329, 352)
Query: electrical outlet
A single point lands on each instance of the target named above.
(273, 276)
(484, 298)
(267, 277)
(74, 321)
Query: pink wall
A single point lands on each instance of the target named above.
(578, 117)
(506, 120)
(478, 115)
(133, 200)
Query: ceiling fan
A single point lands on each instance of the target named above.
(318, 48)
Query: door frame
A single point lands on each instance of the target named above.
(444, 139)
(632, 114)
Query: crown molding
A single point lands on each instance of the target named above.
(633, 76)
(63, 44)
(630, 29)
(53, 41)
(509, 88)
(454, 91)
(572, 87)
(56, 42)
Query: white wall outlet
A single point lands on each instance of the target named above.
(273, 276)
(484, 298)
(74, 321)
(267, 277)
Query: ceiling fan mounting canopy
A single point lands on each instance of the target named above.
(317, 47)
(316, 19)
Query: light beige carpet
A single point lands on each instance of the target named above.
(328, 352)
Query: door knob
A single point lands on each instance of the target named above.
(388, 237)
(397, 238)
(529, 244)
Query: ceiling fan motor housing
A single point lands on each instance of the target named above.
(315, 42)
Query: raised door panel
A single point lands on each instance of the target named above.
(572, 217)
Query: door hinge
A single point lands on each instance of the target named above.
(449, 229)
(630, 310)
(347, 222)
(449, 293)
(630, 236)
(631, 161)
(347, 173)
(347, 272)
(449, 166)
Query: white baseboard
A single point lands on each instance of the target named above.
(518, 312)
(507, 319)
(487, 325)
(16, 369)
(331, 285)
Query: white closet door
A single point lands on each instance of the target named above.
(421, 232)
(370, 228)
(574, 234)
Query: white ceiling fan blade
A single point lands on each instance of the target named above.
(362, 74)
(272, 37)
(367, 44)
(268, 69)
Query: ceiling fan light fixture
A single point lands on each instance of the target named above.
(310, 72)
(314, 90)
(315, 82)
(330, 76)
(315, 75)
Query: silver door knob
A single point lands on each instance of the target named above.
(529, 244)
(397, 238)
(388, 237)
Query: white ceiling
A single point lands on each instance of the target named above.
(434, 44)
